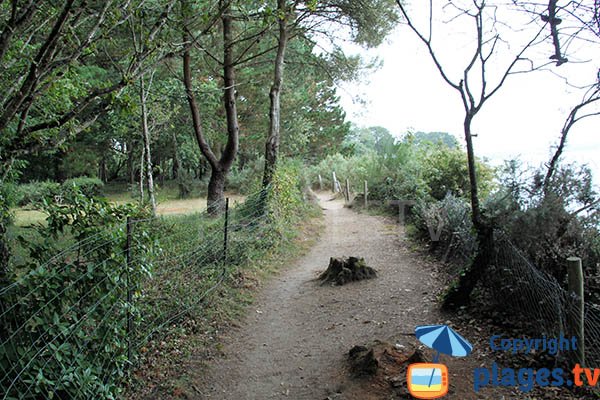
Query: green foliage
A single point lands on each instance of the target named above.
(86, 185)
(64, 318)
(447, 225)
(248, 179)
(552, 224)
(407, 169)
(434, 138)
(286, 202)
(445, 170)
(34, 193)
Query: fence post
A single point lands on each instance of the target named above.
(333, 182)
(366, 194)
(129, 261)
(320, 183)
(226, 230)
(575, 277)
(347, 191)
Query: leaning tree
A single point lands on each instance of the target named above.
(492, 61)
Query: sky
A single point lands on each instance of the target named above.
(523, 119)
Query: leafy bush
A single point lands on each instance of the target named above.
(85, 185)
(32, 194)
(448, 224)
(445, 170)
(64, 318)
(408, 170)
(248, 179)
(553, 223)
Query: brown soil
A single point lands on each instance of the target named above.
(295, 339)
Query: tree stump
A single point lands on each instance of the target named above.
(344, 270)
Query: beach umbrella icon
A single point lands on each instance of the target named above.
(443, 339)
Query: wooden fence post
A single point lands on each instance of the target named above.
(347, 191)
(320, 183)
(333, 182)
(575, 277)
(366, 194)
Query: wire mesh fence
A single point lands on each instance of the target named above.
(75, 325)
(537, 302)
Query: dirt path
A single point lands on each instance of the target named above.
(294, 341)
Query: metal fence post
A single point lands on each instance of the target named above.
(129, 291)
(575, 277)
(225, 230)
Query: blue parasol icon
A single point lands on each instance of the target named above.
(443, 339)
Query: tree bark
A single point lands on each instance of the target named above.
(102, 174)
(216, 192)
(475, 207)
(219, 166)
(176, 162)
(4, 249)
(229, 97)
(141, 186)
(273, 138)
(130, 169)
(146, 141)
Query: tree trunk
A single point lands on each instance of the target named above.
(4, 249)
(102, 173)
(176, 162)
(219, 166)
(130, 169)
(460, 294)
(229, 99)
(146, 140)
(476, 211)
(215, 199)
(142, 176)
(273, 139)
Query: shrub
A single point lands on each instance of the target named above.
(87, 186)
(445, 170)
(553, 224)
(64, 319)
(248, 179)
(448, 224)
(32, 194)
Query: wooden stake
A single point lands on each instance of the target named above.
(347, 191)
(575, 277)
(334, 182)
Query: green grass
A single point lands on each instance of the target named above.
(25, 217)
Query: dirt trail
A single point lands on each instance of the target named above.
(294, 341)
